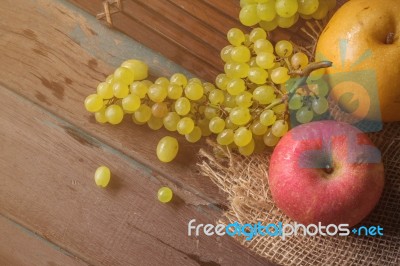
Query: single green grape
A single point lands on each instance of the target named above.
(263, 46)
(139, 88)
(299, 60)
(225, 53)
(185, 126)
(102, 176)
(210, 112)
(240, 116)
(296, 102)
(266, 11)
(304, 115)
(167, 149)
(236, 86)
(159, 110)
(164, 194)
(258, 75)
(114, 114)
(182, 106)
(286, 8)
(269, 25)
(257, 34)
(280, 75)
(242, 136)
(279, 128)
(155, 123)
(124, 75)
(217, 125)
(208, 87)
(258, 128)
(221, 81)
(265, 60)
(322, 10)
(171, 121)
(178, 79)
(174, 91)
(225, 137)
(194, 91)
(308, 7)
(139, 68)
(280, 108)
(240, 54)
(248, 15)
(267, 117)
(143, 114)
(131, 103)
(270, 139)
(94, 103)
(105, 91)
(100, 116)
(248, 149)
(244, 99)
(235, 37)
(157, 92)
(120, 89)
(320, 105)
(216, 97)
(284, 48)
(264, 94)
(194, 136)
(229, 124)
(163, 81)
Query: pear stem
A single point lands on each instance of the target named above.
(390, 38)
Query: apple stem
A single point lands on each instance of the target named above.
(390, 38)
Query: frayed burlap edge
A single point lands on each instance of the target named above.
(245, 182)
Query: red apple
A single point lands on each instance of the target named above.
(326, 171)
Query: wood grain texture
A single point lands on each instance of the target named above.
(50, 146)
(47, 186)
(19, 246)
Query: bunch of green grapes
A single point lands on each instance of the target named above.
(270, 14)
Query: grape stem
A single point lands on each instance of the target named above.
(307, 71)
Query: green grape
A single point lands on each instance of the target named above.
(203, 125)
(194, 136)
(287, 22)
(264, 94)
(244, 99)
(147, 82)
(229, 124)
(304, 115)
(139, 68)
(279, 128)
(194, 80)
(134, 120)
(100, 116)
(242, 136)
(102, 176)
(93, 103)
(124, 75)
(240, 54)
(120, 89)
(240, 116)
(316, 74)
(252, 63)
(320, 87)
(269, 25)
(286, 8)
(216, 125)
(114, 114)
(105, 91)
(270, 139)
(265, 60)
(182, 106)
(230, 100)
(263, 46)
(171, 120)
(194, 91)
(221, 81)
(139, 88)
(280, 75)
(320, 105)
(248, 15)
(257, 34)
(167, 149)
(178, 79)
(331, 4)
(174, 91)
(164, 194)
(299, 60)
(284, 48)
(157, 92)
(296, 102)
(131, 103)
(258, 128)
(185, 126)
(307, 7)
(267, 118)
(266, 11)
(258, 75)
(159, 110)
(216, 97)
(163, 81)
(110, 79)
(155, 123)
(248, 149)
(226, 53)
(225, 137)
(210, 112)
(235, 37)
(322, 10)
(280, 108)
(229, 69)
(208, 87)
(241, 70)
(236, 86)
(143, 114)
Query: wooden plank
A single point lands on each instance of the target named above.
(58, 75)
(47, 186)
(19, 246)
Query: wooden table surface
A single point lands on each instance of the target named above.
(51, 212)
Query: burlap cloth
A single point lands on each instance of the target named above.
(244, 180)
